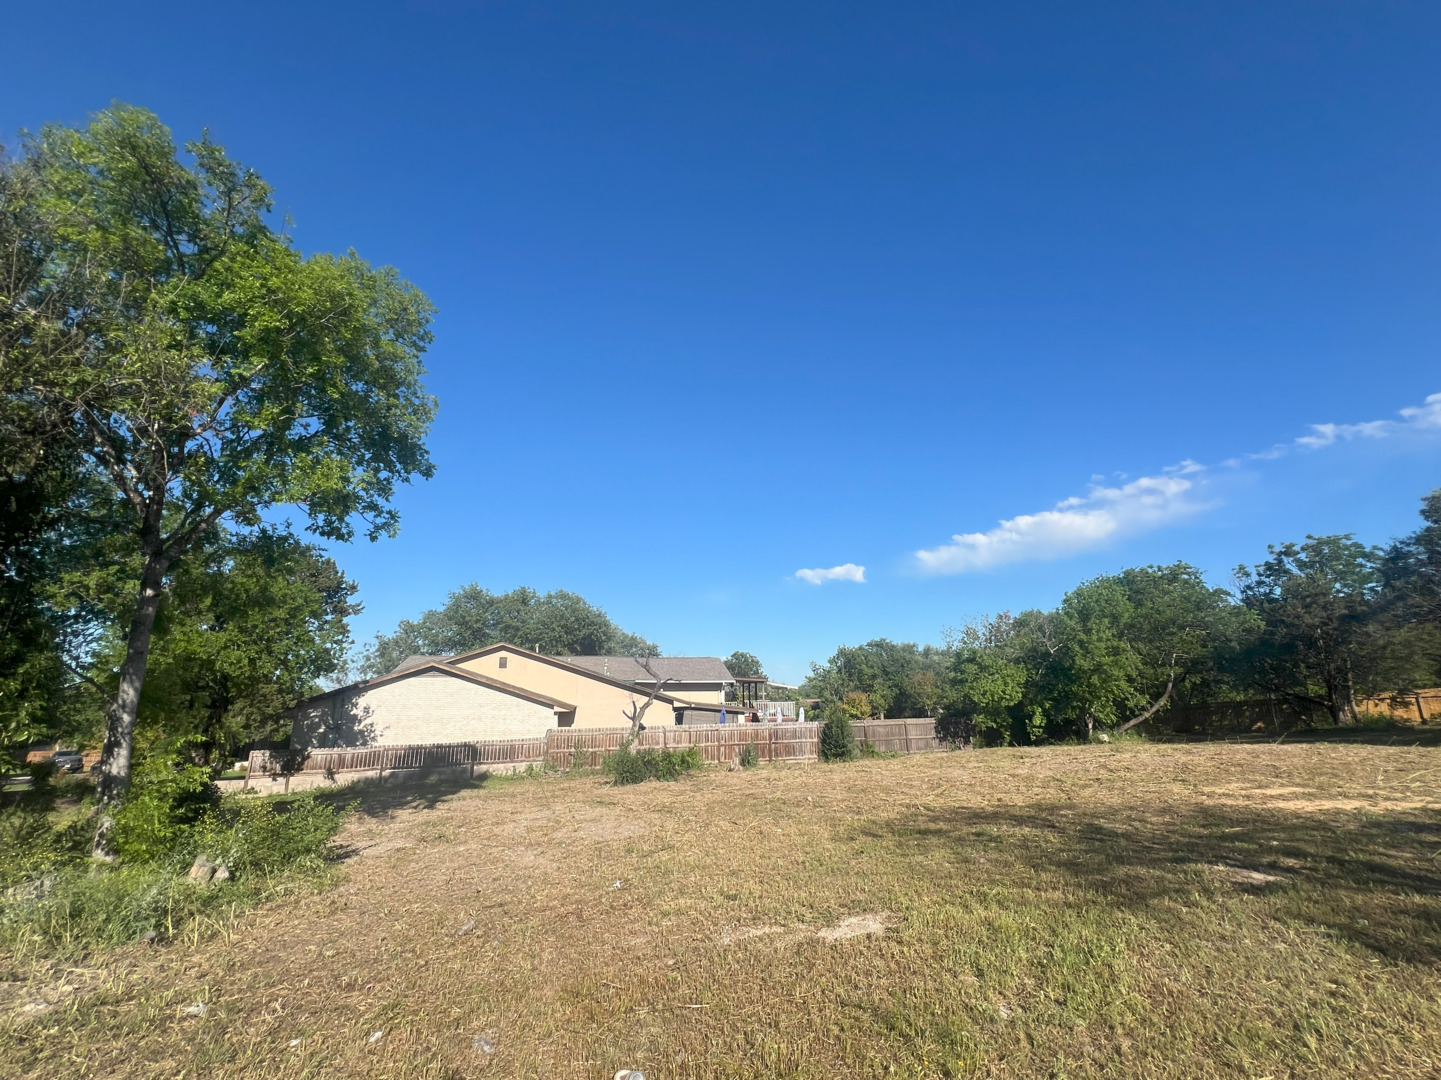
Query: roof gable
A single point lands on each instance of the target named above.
(441, 668)
(555, 661)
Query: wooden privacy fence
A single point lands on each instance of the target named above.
(1416, 706)
(898, 736)
(718, 744)
(437, 756)
(1234, 716)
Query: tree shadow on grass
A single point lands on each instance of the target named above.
(378, 799)
(1369, 734)
(1372, 879)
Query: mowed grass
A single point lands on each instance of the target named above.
(1136, 910)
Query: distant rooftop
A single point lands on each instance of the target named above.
(682, 669)
(414, 660)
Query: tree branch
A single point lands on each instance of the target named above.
(637, 712)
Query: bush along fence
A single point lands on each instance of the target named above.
(719, 744)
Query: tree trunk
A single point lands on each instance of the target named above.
(1341, 700)
(1155, 708)
(120, 721)
(1343, 711)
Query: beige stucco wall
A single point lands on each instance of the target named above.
(700, 697)
(597, 704)
(425, 708)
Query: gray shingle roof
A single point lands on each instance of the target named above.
(414, 660)
(683, 669)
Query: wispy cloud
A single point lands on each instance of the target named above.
(1413, 418)
(1103, 514)
(1075, 524)
(845, 572)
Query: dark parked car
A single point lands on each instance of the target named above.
(68, 760)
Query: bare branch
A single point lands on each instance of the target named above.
(637, 712)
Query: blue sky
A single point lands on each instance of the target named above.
(729, 291)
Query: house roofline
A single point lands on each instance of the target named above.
(553, 661)
(446, 669)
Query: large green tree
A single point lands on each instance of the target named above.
(1322, 641)
(248, 625)
(204, 367)
(557, 623)
(39, 470)
(1413, 568)
(1131, 641)
(744, 665)
(897, 678)
(1119, 649)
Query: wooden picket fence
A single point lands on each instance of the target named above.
(915, 736)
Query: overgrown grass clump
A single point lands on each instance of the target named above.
(630, 766)
(55, 901)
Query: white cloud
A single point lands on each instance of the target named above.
(1413, 418)
(845, 572)
(1326, 434)
(1105, 513)
(1074, 525)
(1424, 416)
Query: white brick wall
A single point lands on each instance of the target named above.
(425, 708)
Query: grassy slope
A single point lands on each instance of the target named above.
(1065, 912)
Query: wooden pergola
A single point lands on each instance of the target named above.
(750, 689)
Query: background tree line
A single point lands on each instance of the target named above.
(557, 623)
(1318, 624)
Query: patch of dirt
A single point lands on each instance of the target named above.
(610, 827)
(1239, 875)
(381, 847)
(746, 933)
(856, 926)
(29, 1000)
(1296, 798)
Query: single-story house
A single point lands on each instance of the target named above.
(504, 692)
(427, 702)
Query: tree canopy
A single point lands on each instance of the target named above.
(894, 679)
(192, 366)
(557, 623)
(744, 665)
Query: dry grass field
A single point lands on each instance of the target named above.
(1133, 910)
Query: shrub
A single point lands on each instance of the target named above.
(168, 798)
(749, 758)
(33, 845)
(254, 835)
(838, 738)
(64, 905)
(630, 766)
